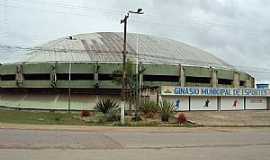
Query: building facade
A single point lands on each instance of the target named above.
(85, 65)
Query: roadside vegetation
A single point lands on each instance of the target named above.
(107, 112)
(42, 117)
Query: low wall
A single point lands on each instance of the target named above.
(50, 101)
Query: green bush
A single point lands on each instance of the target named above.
(136, 117)
(106, 105)
(166, 111)
(113, 115)
(100, 118)
(149, 109)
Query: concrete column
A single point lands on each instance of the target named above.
(214, 80)
(236, 80)
(53, 77)
(252, 84)
(249, 83)
(19, 75)
(96, 75)
(182, 78)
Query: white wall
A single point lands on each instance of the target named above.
(199, 103)
(227, 103)
(256, 103)
(182, 101)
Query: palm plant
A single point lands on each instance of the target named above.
(166, 110)
(106, 105)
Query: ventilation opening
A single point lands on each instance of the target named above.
(242, 83)
(82, 76)
(225, 81)
(62, 77)
(106, 77)
(36, 76)
(10, 77)
(163, 78)
(198, 79)
(75, 76)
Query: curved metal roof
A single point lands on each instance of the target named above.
(106, 47)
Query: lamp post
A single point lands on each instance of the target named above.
(124, 77)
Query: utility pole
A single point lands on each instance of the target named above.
(124, 52)
(124, 74)
(124, 86)
(69, 90)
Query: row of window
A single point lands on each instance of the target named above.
(162, 78)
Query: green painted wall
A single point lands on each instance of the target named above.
(225, 74)
(197, 71)
(154, 69)
(108, 68)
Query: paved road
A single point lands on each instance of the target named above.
(199, 143)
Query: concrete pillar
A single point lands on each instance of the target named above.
(214, 80)
(96, 75)
(252, 85)
(236, 80)
(249, 83)
(19, 75)
(53, 77)
(182, 78)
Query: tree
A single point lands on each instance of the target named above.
(130, 80)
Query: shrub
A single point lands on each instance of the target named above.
(136, 117)
(57, 119)
(166, 111)
(113, 115)
(181, 119)
(100, 118)
(106, 105)
(85, 113)
(149, 109)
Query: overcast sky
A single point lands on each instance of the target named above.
(236, 31)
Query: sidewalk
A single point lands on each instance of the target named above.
(247, 118)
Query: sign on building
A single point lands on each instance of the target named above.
(202, 91)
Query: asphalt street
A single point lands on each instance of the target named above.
(129, 144)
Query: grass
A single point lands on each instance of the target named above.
(27, 117)
(73, 118)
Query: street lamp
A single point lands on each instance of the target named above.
(124, 77)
